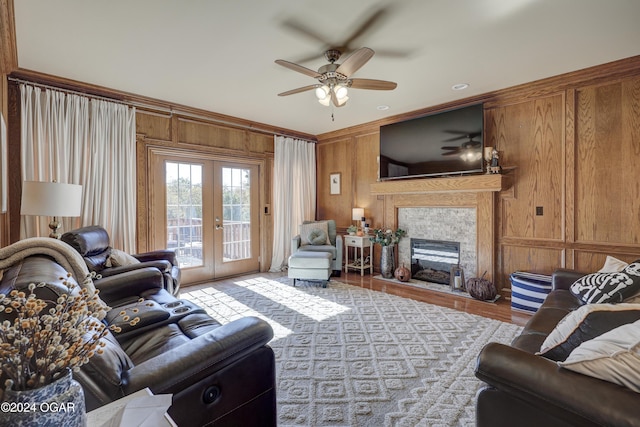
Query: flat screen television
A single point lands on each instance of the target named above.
(444, 143)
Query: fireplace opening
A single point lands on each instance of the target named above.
(431, 260)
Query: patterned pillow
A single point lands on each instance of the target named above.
(317, 237)
(613, 357)
(306, 229)
(585, 323)
(609, 287)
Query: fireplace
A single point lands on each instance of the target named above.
(431, 260)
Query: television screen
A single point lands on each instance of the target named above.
(445, 143)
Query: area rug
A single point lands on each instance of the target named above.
(348, 356)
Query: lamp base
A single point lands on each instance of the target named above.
(54, 225)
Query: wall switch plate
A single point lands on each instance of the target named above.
(538, 210)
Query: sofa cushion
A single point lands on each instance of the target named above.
(585, 323)
(317, 237)
(118, 258)
(613, 356)
(609, 287)
(331, 229)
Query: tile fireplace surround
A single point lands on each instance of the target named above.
(476, 194)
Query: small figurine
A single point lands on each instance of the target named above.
(494, 166)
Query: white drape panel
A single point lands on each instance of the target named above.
(110, 180)
(54, 132)
(74, 139)
(294, 193)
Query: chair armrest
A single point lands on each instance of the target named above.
(162, 265)
(129, 283)
(295, 243)
(563, 278)
(543, 384)
(186, 365)
(339, 251)
(161, 254)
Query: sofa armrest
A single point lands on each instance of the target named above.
(543, 384)
(129, 284)
(194, 361)
(563, 278)
(163, 265)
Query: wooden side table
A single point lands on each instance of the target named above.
(358, 242)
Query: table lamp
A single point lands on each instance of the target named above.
(357, 214)
(52, 199)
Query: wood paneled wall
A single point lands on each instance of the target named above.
(571, 144)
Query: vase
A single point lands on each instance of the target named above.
(60, 403)
(387, 262)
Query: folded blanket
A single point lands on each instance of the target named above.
(61, 252)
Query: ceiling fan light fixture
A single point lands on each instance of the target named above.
(342, 101)
(325, 101)
(341, 92)
(322, 93)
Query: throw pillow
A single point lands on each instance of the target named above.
(119, 258)
(609, 287)
(613, 357)
(585, 323)
(306, 229)
(317, 237)
(612, 265)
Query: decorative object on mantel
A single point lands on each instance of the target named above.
(456, 279)
(402, 273)
(481, 288)
(387, 239)
(494, 166)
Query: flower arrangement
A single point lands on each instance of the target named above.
(41, 339)
(352, 229)
(387, 237)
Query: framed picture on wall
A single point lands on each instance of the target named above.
(334, 183)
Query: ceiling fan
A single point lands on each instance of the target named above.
(334, 79)
(463, 148)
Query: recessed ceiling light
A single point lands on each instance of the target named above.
(382, 107)
(460, 86)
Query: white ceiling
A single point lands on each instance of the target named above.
(218, 55)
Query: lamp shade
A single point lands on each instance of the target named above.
(357, 214)
(51, 199)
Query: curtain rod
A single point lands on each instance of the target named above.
(69, 91)
(152, 107)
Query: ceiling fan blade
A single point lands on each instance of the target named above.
(299, 68)
(451, 153)
(298, 90)
(298, 27)
(451, 148)
(366, 25)
(356, 60)
(373, 84)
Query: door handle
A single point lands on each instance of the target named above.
(219, 227)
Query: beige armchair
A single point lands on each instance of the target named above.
(302, 242)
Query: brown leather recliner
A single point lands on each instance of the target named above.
(221, 375)
(93, 243)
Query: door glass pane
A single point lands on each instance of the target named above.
(184, 212)
(236, 209)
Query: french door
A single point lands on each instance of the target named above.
(207, 211)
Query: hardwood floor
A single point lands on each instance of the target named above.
(500, 310)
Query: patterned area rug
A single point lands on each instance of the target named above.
(347, 356)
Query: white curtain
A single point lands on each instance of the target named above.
(74, 139)
(294, 194)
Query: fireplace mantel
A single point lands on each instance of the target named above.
(474, 191)
(468, 183)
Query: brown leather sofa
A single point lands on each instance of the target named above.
(526, 390)
(221, 375)
(93, 243)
